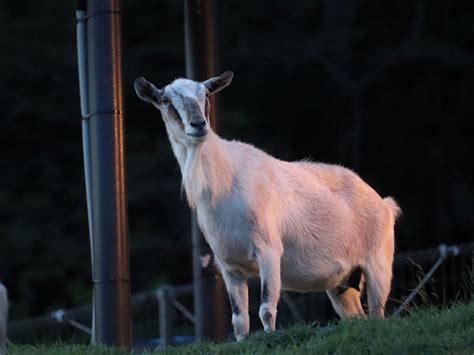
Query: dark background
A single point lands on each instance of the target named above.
(382, 87)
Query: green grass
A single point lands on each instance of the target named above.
(60, 349)
(423, 331)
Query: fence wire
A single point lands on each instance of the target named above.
(447, 284)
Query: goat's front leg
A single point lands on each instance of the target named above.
(239, 301)
(269, 265)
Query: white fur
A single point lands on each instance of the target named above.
(3, 318)
(301, 226)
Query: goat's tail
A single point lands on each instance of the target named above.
(394, 207)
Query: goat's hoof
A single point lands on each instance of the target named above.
(240, 337)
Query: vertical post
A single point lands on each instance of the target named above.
(100, 71)
(201, 57)
(166, 314)
(3, 319)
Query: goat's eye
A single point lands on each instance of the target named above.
(165, 100)
(207, 94)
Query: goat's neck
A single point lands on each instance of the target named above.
(206, 169)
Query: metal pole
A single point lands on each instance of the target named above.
(444, 251)
(100, 71)
(201, 57)
(165, 296)
(81, 39)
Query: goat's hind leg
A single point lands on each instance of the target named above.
(346, 302)
(237, 289)
(379, 279)
(270, 277)
(378, 275)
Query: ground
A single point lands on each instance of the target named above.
(428, 330)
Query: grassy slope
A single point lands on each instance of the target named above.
(425, 331)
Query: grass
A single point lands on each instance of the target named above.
(431, 330)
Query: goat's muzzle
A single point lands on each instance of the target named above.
(199, 126)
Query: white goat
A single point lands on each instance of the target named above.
(3, 318)
(302, 226)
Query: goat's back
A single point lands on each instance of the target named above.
(318, 206)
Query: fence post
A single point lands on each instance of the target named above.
(101, 89)
(165, 296)
(201, 63)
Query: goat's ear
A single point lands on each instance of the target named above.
(219, 82)
(147, 91)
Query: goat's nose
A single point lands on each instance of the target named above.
(199, 123)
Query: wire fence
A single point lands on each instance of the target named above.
(173, 322)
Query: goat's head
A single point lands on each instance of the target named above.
(184, 104)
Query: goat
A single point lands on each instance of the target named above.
(301, 226)
(3, 318)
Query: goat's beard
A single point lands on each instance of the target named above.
(194, 178)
